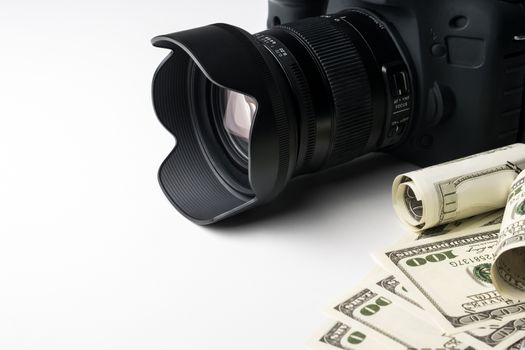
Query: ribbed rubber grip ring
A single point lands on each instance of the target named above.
(331, 44)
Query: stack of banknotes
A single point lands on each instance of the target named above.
(457, 279)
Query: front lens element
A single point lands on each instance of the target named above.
(239, 113)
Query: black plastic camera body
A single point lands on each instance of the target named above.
(467, 65)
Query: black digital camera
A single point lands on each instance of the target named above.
(427, 81)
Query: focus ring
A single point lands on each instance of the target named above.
(308, 130)
(328, 40)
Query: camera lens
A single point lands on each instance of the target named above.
(250, 112)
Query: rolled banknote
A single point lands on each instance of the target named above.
(458, 189)
(508, 269)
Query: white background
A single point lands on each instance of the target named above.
(92, 255)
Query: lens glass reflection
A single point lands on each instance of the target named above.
(238, 116)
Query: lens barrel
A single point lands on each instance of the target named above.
(250, 112)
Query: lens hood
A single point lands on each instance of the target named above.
(192, 176)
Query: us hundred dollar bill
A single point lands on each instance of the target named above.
(508, 269)
(456, 190)
(386, 318)
(345, 336)
(385, 308)
(482, 220)
(494, 336)
(449, 276)
(518, 345)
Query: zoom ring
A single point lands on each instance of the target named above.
(330, 43)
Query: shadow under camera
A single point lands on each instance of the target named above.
(303, 197)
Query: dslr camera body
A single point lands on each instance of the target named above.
(427, 81)
(466, 61)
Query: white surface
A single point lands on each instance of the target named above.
(92, 255)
